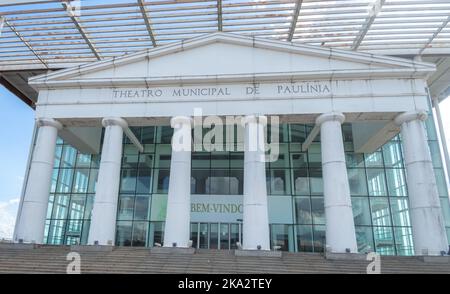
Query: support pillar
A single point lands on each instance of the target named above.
(427, 222)
(31, 221)
(103, 222)
(178, 217)
(340, 227)
(255, 219)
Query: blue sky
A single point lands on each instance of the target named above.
(16, 129)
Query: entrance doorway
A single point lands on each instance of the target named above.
(223, 236)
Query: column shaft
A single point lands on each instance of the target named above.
(178, 217)
(340, 227)
(427, 222)
(31, 222)
(103, 221)
(255, 220)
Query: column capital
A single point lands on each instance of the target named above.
(48, 122)
(330, 116)
(262, 119)
(180, 120)
(114, 121)
(410, 116)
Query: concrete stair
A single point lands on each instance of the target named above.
(52, 259)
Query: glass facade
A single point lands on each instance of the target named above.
(294, 185)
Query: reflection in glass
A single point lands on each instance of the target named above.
(376, 182)
(361, 211)
(304, 238)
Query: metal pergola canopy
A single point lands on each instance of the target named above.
(51, 34)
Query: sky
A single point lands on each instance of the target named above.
(16, 129)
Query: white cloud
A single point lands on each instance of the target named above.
(8, 211)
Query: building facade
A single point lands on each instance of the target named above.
(357, 164)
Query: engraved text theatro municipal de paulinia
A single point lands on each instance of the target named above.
(253, 90)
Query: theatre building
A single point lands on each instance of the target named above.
(353, 162)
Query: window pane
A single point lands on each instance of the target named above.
(83, 160)
(77, 204)
(144, 180)
(400, 213)
(301, 181)
(315, 177)
(445, 206)
(299, 160)
(318, 210)
(303, 210)
(236, 182)
(392, 154)
(128, 181)
(361, 211)
(145, 161)
(141, 211)
(396, 182)
(60, 206)
(384, 240)
(357, 181)
(126, 208)
(148, 134)
(64, 181)
(123, 233)
(219, 182)
(93, 175)
(304, 238)
(440, 181)
(69, 155)
(164, 135)
(319, 238)
(364, 239)
(163, 176)
(374, 159)
(80, 181)
(376, 182)
(89, 206)
(199, 181)
(282, 237)
(298, 133)
(139, 234)
(279, 182)
(380, 211)
(220, 160)
(237, 159)
(403, 241)
(354, 159)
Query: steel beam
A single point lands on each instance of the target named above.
(312, 135)
(147, 21)
(373, 12)
(80, 29)
(11, 27)
(219, 16)
(444, 24)
(298, 6)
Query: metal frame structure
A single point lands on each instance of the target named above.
(46, 34)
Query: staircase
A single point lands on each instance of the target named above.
(52, 259)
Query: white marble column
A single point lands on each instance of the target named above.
(103, 221)
(178, 217)
(31, 221)
(427, 222)
(255, 227)
(340, 227)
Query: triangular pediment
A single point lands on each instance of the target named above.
(229, 57)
